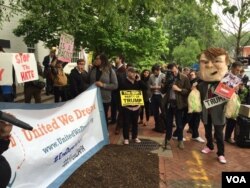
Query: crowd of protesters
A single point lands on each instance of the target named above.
(165, 90)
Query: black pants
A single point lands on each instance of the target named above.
(194, 122)
(156, 105)
(5, 172)
(147, 108)
(218, 133)
(113, 106)
(106, 109)
(179, 115)
(130, 118)
(231, 123)
(60, 93)
(32, 91)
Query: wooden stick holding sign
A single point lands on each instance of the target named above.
(131, 98)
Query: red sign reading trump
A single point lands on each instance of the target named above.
(25, 67)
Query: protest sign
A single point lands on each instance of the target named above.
(6, 69)
(25, 67)
(227, 85)
(66, 48)
(209, 103)
(131, 97)
(64, 136)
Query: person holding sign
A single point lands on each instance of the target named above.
(213, 67)
(231, 123)
(60, 81)
(8, 92)
(131, 103)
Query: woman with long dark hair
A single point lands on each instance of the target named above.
(103, 76)
(146, 95)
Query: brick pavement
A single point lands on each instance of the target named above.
(190, 168)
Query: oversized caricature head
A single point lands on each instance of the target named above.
(213, 64)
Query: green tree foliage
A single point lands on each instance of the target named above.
(186, 53)
(108, 26)
(189, 19)
(8, 8)
(226, 40)
(237, 25)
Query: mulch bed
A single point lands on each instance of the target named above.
(117, 166)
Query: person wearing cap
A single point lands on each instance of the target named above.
(5, 170)
(131, 113)
(47, 70)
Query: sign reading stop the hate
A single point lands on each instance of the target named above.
(66, 48)
(25, 67)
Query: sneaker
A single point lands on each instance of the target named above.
(166, 145)
(198, 139)
(176, 138)
(126, 142)
(222, 159)
(137, 140)
(180, 145)
(206, 150)
(230, 141)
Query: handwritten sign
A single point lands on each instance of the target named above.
(131, 97)
(25, 67)
(6, 69)
(226, 87)
(209, 103)
(66, 47)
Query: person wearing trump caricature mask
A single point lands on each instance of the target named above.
(213, 67)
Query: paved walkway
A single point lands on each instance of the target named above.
(189, 168)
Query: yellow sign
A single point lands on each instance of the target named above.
(131, 97)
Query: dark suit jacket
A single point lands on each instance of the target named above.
(217, 112)
(46, 61)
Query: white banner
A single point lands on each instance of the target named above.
(25, 67)
(63, 137)
(6, 69)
